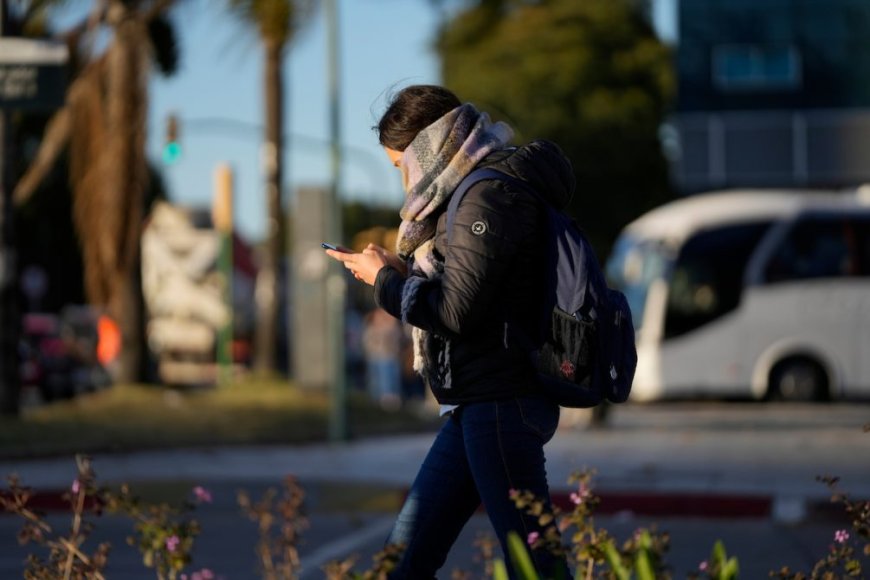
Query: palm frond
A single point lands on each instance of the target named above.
(275, 20)
(164, 43)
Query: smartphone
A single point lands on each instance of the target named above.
(327, 246)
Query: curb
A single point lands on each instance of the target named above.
(669, 504)
(674, 504)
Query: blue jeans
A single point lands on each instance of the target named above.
(482, 452)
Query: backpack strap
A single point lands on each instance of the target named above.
(482, 174)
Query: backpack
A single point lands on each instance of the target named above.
(585, 353)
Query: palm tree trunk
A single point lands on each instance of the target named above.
(104, 122)
(126, 180)
(267, 291)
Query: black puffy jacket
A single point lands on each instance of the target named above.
(491, 274)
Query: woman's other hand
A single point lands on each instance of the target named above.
(392, 259)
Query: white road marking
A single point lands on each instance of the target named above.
(344, 546)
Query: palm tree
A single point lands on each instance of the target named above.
(276, 22)
(103, 126)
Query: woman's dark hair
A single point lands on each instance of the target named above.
(410, 111)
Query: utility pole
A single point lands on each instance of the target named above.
(10, 319)
(336, 284)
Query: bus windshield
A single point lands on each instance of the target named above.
(633, 266)
(707, 277)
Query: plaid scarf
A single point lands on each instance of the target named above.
(433, 165)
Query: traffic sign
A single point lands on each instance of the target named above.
(32, 73)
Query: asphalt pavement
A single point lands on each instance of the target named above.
(748, 471)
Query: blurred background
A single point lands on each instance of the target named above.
(170, 167)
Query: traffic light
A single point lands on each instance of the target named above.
(172, 145)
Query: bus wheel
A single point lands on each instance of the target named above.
(798, 379)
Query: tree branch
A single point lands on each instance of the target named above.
(74, 551)
(57, 134)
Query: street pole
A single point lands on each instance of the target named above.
(336, 285)
(222, 217)
(10, 319)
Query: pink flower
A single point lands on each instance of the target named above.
(702, 566)
(76, 486)
(581, 495)
(533, 537)
(513, 493)
(840, 536)
(172, 543)
(204, 574)
(202, 494)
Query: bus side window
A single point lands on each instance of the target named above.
(821, 247)
(707, 276)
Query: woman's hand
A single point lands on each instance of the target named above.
(364, 266)
(392, 259)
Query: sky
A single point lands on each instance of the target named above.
(217, 97)
(384, 45)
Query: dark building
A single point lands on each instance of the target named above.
(772, 93)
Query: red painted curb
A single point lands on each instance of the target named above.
(669, 504)
(658, 504)
(50, 501)
(674, 504)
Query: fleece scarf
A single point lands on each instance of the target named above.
(433, 165)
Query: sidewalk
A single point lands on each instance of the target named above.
(666, 469)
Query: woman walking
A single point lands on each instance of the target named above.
(458, 290)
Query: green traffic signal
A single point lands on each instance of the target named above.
(172, 143)
(171, 153)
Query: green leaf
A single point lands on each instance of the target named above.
(499, 571)
(718, 556)
(614, 560)
(520, 558)
(730, 570)
(643, 566)
(645, 540)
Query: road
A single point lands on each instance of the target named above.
(709, 451)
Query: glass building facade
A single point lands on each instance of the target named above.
(772, 93)
(773, 54)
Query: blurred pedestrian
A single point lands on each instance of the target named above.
(459, 296)
(354, 354)
(382, 344)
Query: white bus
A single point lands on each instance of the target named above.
(750, 294)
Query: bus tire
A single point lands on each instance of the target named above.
(798, 379)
